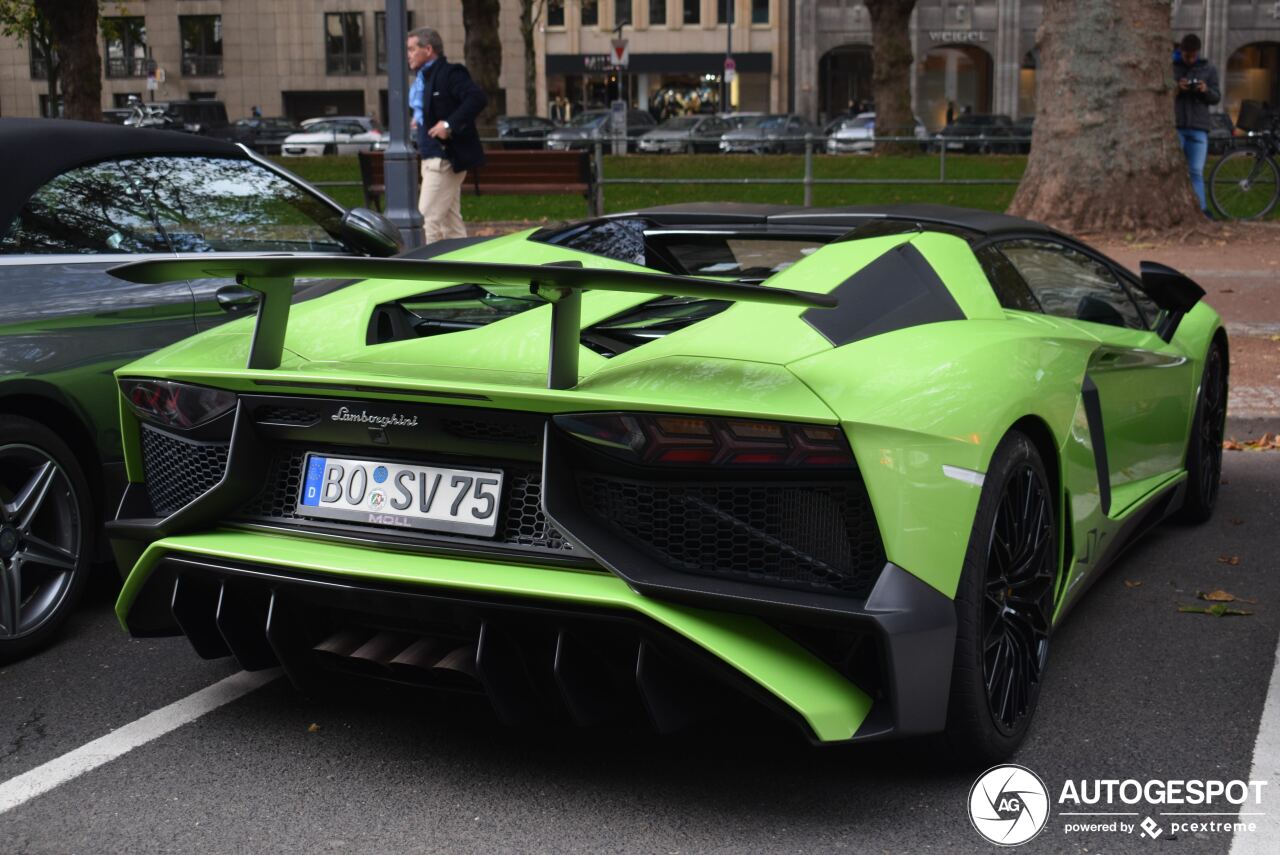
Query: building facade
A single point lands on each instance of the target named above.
(980, 54)
(676, 53)
(299, 58)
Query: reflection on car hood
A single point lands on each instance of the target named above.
(573, 133)
(322, 136)
(751, 133)
(665, 134)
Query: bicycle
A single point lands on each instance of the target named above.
(1245, 183)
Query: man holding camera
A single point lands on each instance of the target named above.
(1197, 89)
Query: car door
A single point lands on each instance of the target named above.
(64, 321)
(1142, 382)
(350, 137)
(210, 205)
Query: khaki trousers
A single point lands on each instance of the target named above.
(440, 201)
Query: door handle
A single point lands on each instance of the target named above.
(236, 298)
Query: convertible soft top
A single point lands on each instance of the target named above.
(37, 150)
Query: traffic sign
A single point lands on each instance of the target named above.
(621, 54)
(730, 69)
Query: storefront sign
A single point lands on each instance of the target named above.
(958, 36)
(597, 61)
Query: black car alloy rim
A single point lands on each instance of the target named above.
(1212, 427)
(40, 538)
(1018, 597)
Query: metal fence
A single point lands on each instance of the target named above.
(809, 145)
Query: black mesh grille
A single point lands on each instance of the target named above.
(287, 415)
(491, 430)
(178, 470)
(802, 535)
(523, 522)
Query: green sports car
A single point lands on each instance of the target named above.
(849, 465)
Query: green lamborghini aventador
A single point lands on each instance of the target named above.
(850, 465)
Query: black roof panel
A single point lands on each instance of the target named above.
(34, 151)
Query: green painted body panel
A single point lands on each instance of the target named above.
(832, 706)
(911, 402)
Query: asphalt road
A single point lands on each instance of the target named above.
(1135, 690)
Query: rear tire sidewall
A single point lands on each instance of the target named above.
(972, 737)
(24, 431)
(1194, 508)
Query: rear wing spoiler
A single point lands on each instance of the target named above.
(560, 283)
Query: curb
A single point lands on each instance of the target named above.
(1251, 427)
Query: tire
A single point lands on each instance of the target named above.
(1004, 608)
(45, 541)
(1204, 447)
(1244, 184)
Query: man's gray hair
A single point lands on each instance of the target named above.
(428, 36)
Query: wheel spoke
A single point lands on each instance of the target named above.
(22, 510)
(10, 596)
(38, 551)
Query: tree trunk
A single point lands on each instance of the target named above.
(1105, 155)
(891, 62)
(483, 54)
(73, 24)
(530, 15)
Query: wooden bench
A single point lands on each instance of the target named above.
(505, 173)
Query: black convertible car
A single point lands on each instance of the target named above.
(79, 197)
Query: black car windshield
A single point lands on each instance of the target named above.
(771, 122)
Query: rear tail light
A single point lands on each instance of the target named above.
(179, 405)
(707, 441)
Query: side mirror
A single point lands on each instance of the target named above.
(1172, 291)
(371, 232)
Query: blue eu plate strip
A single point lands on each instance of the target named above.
(315, 479)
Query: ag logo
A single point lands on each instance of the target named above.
(1009, 805)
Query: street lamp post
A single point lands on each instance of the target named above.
(399, 174)
(726, 104)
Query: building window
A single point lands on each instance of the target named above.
(380, 38)
(344, 43)
(621, 12)
(39, 59)
(657, 13)
(759, 11)
(555, 13)
(724, 9)
(201, 45)
(590, 13)
(692, 12)
(126, 40)
(49, 111)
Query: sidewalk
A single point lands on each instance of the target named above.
(1240, 273)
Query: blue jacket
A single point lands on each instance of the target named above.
(452, 96)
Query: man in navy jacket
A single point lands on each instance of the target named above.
(445, 102)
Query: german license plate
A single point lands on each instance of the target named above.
(402, 495)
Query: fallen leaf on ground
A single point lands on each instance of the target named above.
(1266, 442)
(1217, 596)
(314, 728)
(1130, 583)
(1226, 291)
(1237, 521)
(1217, 610)
(1233, 560)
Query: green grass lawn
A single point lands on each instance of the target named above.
(688, 168)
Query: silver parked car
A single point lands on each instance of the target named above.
(687, 134)
(857, 135)
(772, 134)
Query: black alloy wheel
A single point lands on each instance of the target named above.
(1004, 607)
(1204, 449)
(1018, 597)
(44, 532)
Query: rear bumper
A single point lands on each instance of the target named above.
(269, 599)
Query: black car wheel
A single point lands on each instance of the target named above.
(1004, 607)
(1204, 449)
(45, 533)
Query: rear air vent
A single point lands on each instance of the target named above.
(453, 309)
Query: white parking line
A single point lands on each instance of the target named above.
(104, 749)
(1266, 767)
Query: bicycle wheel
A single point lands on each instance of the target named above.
(1245, 184)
